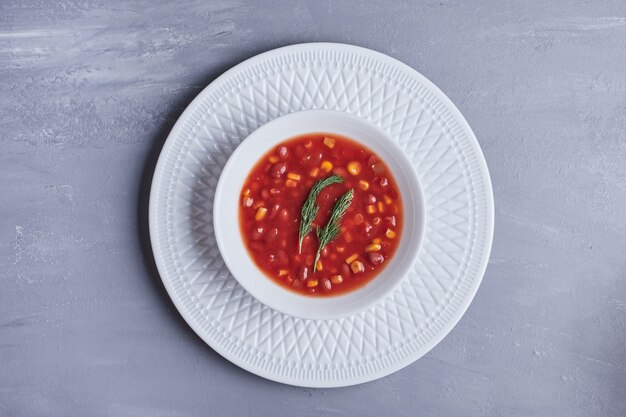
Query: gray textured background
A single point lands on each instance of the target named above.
(88, 93)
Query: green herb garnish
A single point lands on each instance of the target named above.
(330, 231)
(310, 209)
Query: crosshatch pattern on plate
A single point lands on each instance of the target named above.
(386, 335)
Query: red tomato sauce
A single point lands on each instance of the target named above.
(270, 212)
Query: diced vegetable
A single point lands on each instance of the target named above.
(312, 283)
(260, 214)
(291, 183)
(357, 267)
(352, 258)
(364, 185)
(330, 142)
(370, 209)
(293, 176)
(377, 240)
(314, 172)
(319, 266)
(373, 247)
(381, 207)
(336, 279)
(387, 199)
(273, 159)
(283, 272)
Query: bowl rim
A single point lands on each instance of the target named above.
(322, 308)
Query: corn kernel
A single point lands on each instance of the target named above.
(246, 192)
(357, 266)
(381, 207)
(293, 176)
(319, 266)
(291, 183)
(387, 199)
(282, 272)
(336, 279)
(373, 247)
(330, 142)
(273, 159)
(326, 166)
(311, 283)
(352, 258)
(364, 185)
(377, 240)
(395, 209)
(390, 234)
(260, 214)
(314, 172)
(371, 209)
(354, 168)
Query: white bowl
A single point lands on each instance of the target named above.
(226, 212)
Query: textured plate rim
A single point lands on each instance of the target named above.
(456, 316)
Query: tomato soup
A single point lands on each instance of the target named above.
(324, 197)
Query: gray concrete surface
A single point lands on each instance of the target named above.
(88, 93)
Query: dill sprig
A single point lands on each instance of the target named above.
(330, 231)
(310, 209)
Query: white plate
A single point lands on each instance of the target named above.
(451, 169)
(227, 203)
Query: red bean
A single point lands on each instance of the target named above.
(370, 199)
(271, 235)
(283, 152)
(345, 270)
(283, 215)
(383, 182)
(257, 233)
(274, 210)
(281, 257)
(326, 284)
(342, 172)
(312, 158)
(278, 169)
(390, 220)
(369, 229)
(303, 273)
(265, 193)
(376, 258)
(298, 284)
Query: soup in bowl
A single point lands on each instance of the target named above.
(318, 214)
